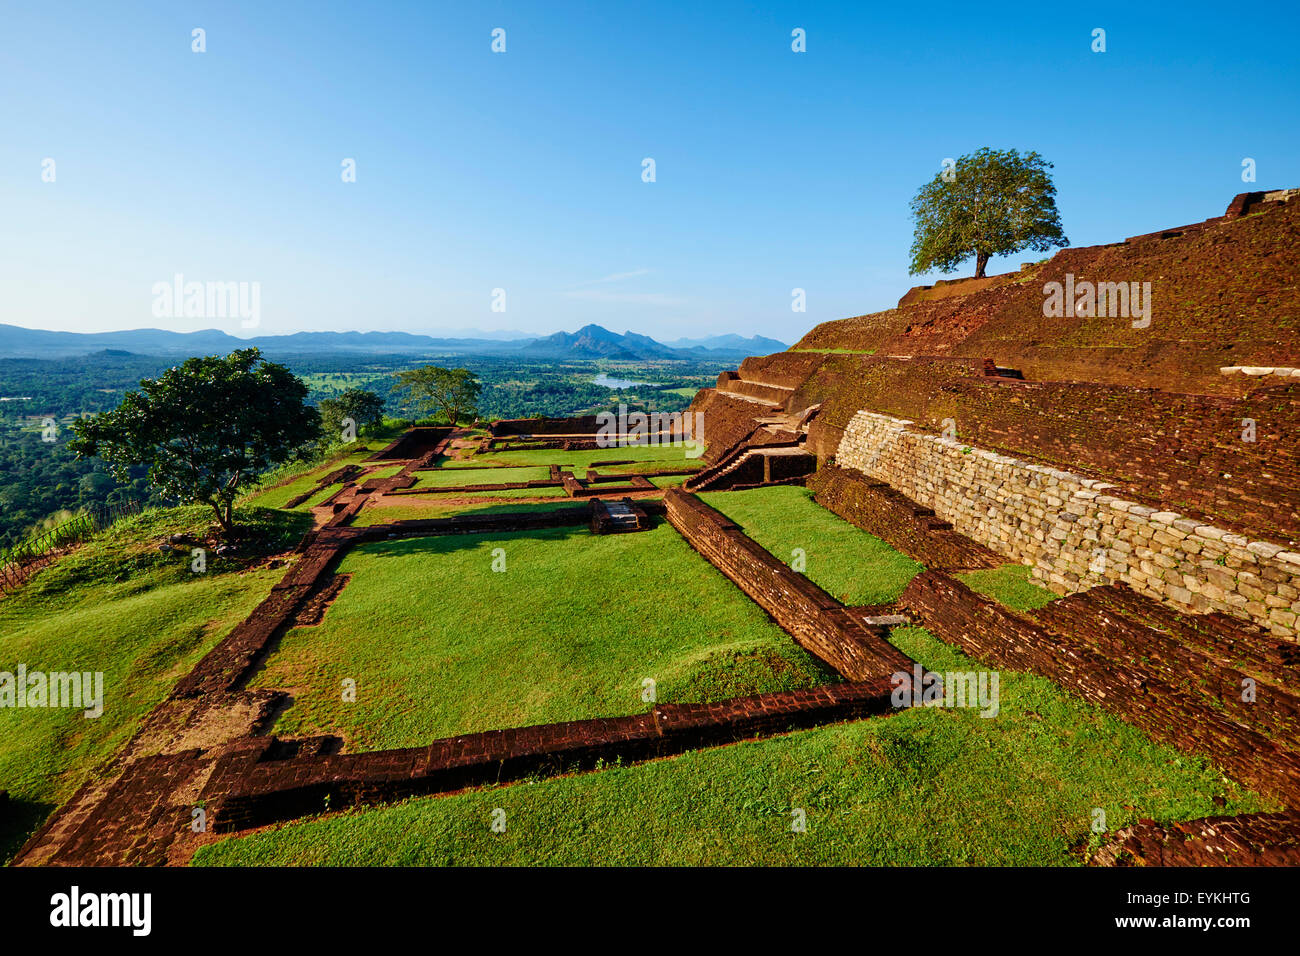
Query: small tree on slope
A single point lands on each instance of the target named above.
(991, 203)
(206, 428)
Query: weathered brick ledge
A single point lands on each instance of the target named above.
(913, 529)
(1251, 839)
(1129, 687)
(247, 789)
(817, 621)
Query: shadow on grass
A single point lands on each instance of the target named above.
(416, 544)
(19, 819)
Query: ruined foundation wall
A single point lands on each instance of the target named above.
(815, 619)
(1073, 531)
(989, 632)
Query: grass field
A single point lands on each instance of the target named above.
(279, 488)
(118, 607)
(663, 456)
(447, 477)
(514, 493)
(440, 644)
(372, 514)
(923, 787)
(1009, 585)
(849, 563)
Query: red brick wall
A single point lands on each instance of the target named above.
(880, 510)
(1224, 294)
(1131, 690)
(1181, 452)
(816, 620)
(251, 788)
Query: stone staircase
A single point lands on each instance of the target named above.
(773, 452)
(617, 516)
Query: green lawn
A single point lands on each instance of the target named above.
(504, 495)
(319, 497)
(282, 486)
(1009, 585)
(923, 787)
(854, 566)
(512, 493)
(279, 496)
(663, 455)
(441, 644)
(448, 477)
(119, 607)
(640, 467)
(373, 514)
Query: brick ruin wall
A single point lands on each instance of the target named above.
(815, 619)
(250, 787)
(785, 369)
(1138, 694)
(578, 425)
(879, 510)
(1184, 452)
(1223, 293)
(1073, 531)
(726, 421)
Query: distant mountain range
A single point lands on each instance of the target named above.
(589, 342)
(754, 345)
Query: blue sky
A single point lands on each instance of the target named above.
(522, 170)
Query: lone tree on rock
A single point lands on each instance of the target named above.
(206, 428)
(452, 391)
(990, 203)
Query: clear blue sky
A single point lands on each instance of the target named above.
(522, 170)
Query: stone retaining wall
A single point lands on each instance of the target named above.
(1073, 531)
(1232, 461)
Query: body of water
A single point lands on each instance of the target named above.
(609, 382)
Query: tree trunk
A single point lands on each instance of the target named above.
(222, 518)
(981, 260)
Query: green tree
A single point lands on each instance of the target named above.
(362, 406)
(990, 203)
(205, 428)
(452, 391)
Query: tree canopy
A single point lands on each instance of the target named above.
(362, 406)
(205, 428)
(988, 203)
(452, 392)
